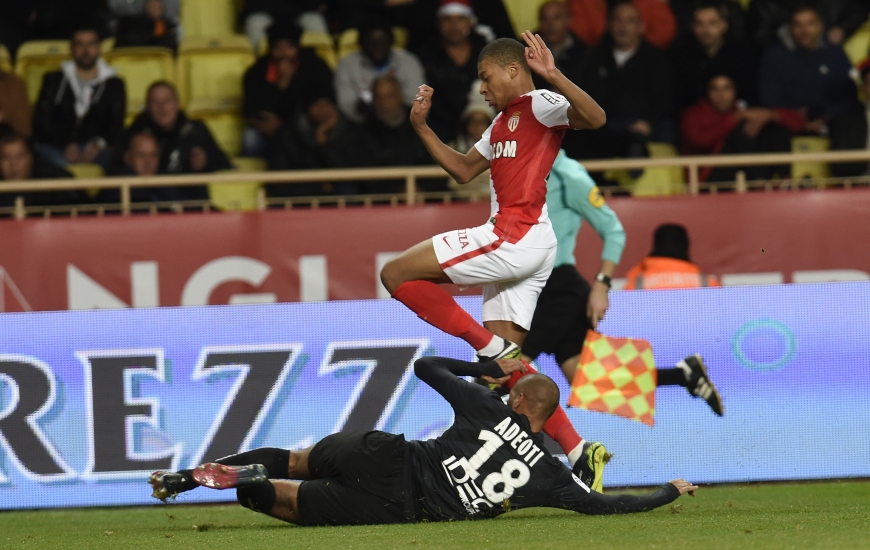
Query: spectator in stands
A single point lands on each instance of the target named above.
(151, 28)
(631, 80)
(710, 52)
(18, 162)
(684, 11)
(133, 8)
(387, 135)
(357, 71)
(277, 86)
(719, 124)
(849, 131)
(258, 15)
(81, 108)
(814, 77)
(142, 158)
(569, 52)
(589, 20)
(473, 123)
(186, 146)
(321, 137)
(668, 265)
(770, 20)
(15, 114)
(451, 65)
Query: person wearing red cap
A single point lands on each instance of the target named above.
(512, 254)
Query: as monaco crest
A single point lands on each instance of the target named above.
(514, 121)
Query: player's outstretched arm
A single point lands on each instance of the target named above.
(461, 167)
(601, 504)
(442, 374)
(585, 113)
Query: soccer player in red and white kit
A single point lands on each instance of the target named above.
(511, 256)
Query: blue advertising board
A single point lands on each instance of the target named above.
(92, 401)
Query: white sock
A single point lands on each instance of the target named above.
(575, 453)
(494, 347)
(687, 370)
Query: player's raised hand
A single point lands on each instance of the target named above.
(508, 367)
(538, 55)
(422, 104)
(684, 487)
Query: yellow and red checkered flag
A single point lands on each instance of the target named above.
(617, 376)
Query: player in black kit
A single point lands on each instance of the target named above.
(491, 460)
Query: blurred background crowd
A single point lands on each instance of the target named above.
(144, 87)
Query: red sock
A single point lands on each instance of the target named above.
(437, 307)
(557, 426)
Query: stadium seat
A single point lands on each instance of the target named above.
(523, 14)
(225, 125)
(85, 171)
(37, 57)
(654, 181)
(5, 59)
(858, 45)
(234, 196)
(348, 41)
(250, 164)
(139, 68)
(206, 18)
(211, 70)
(810, 144)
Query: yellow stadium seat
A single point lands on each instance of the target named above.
(85, 171)
(203, 18)
(810, 144)
(37, 57)
(653, 181)
(226, 127)
(857, 47)
(250, 164)
(523, 14)
(234, 196)
(5, 59)
(107, 45)
(139, 68)
(348, 41)
(210, 71)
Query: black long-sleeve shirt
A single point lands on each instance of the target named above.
(490, 461)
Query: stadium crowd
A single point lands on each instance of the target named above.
(705, 77)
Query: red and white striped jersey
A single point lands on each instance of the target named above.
(521, 145)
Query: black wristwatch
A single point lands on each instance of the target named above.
(602, 278)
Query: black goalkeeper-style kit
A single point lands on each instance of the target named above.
(487, 463)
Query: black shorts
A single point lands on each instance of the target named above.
(560, 323)
(358, 480)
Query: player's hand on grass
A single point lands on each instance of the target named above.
(422, 104)
(684, 487)
(508, 367)
(598, 303)
(538, 55)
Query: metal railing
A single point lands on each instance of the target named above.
(410, 174)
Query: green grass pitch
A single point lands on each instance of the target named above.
(796, 515)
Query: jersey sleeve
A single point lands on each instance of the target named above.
(484, 146)
(574, 495)
(551, 109)
(442, 375)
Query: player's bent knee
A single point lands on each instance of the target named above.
(259, 498)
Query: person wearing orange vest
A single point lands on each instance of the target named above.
(668, 265)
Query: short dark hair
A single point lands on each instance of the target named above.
(373, 25)
(802, 7)
(87, 27)
(504, 51)
(161, 84)
(720, 7)
(284, 30)
(671, 240)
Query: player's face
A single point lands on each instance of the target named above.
(721, 94)
(709, 27)
(495, 83)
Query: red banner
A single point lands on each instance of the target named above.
(215, 258)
